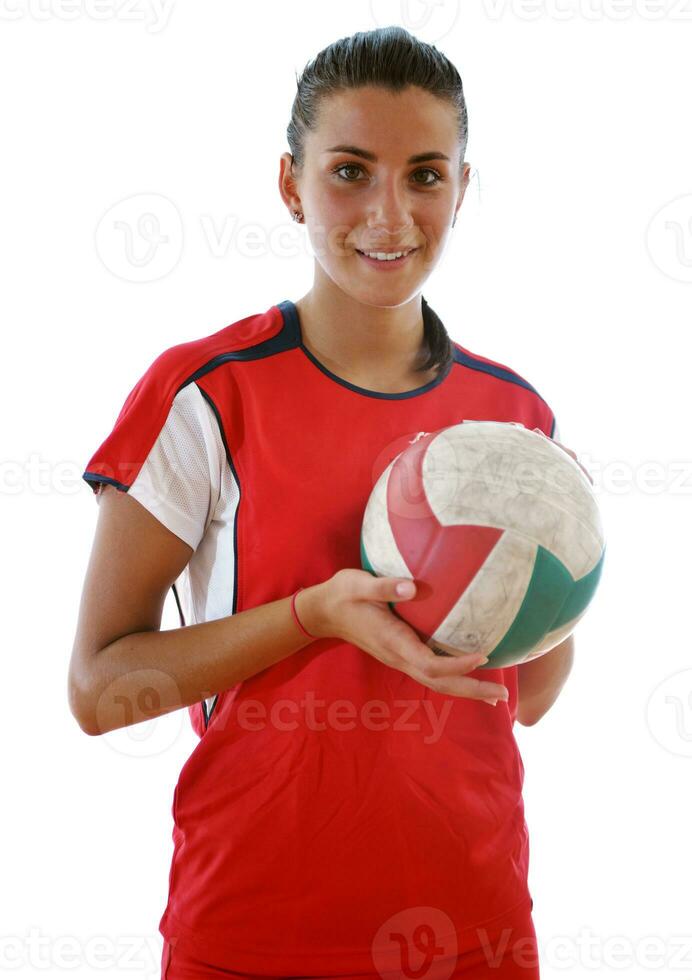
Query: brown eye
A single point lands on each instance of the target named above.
(346, 166)
(429, 170)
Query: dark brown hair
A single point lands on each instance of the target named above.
(391, 58)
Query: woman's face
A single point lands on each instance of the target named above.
(370, 196)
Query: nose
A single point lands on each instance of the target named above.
(388, 213)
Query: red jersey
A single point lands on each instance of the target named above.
(331, 801)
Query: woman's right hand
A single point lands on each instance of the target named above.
(352, 605)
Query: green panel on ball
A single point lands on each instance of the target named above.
(364, 560)
(367, 566)
(549, 588)
(580, 596)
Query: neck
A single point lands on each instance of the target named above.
(356, 339)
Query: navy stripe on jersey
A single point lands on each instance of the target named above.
(206, 710)
(97, 478)
(290, 337)
(289, 311)
(498, 372)
(283, 341)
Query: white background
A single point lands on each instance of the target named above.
(571, 262)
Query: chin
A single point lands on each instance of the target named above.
(390, 297)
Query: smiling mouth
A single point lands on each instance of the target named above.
(380, 258)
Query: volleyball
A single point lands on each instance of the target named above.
(501, 531)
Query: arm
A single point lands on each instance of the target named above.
(123, 669)
(542, 679)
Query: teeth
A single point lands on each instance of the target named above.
(385, 256)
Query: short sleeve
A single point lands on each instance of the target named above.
(179, 478)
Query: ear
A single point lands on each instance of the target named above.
(465, 177)
(288, 187)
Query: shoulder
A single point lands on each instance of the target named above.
(478, 362)
(183, 363)
(165, 402)
(521, 393)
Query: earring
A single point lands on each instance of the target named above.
(298, 216)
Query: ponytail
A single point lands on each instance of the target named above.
(438, 344)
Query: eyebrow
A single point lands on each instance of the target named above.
(367, 155)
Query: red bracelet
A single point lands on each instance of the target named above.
(295, 614)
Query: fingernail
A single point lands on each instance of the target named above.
(492, 701)
(405, 588)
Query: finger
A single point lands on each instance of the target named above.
(450, 669)
(471, 687)
(447, 665)
(467, 687)
(398, 589)
(444, 671)
(587, 473)
(383, 588)
(445, 675)
(403, 641)
(423, 659)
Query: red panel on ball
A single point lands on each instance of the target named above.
(447, 557)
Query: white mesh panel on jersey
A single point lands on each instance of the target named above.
(180, 480)
(187, 483)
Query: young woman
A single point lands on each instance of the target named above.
(354, 804)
